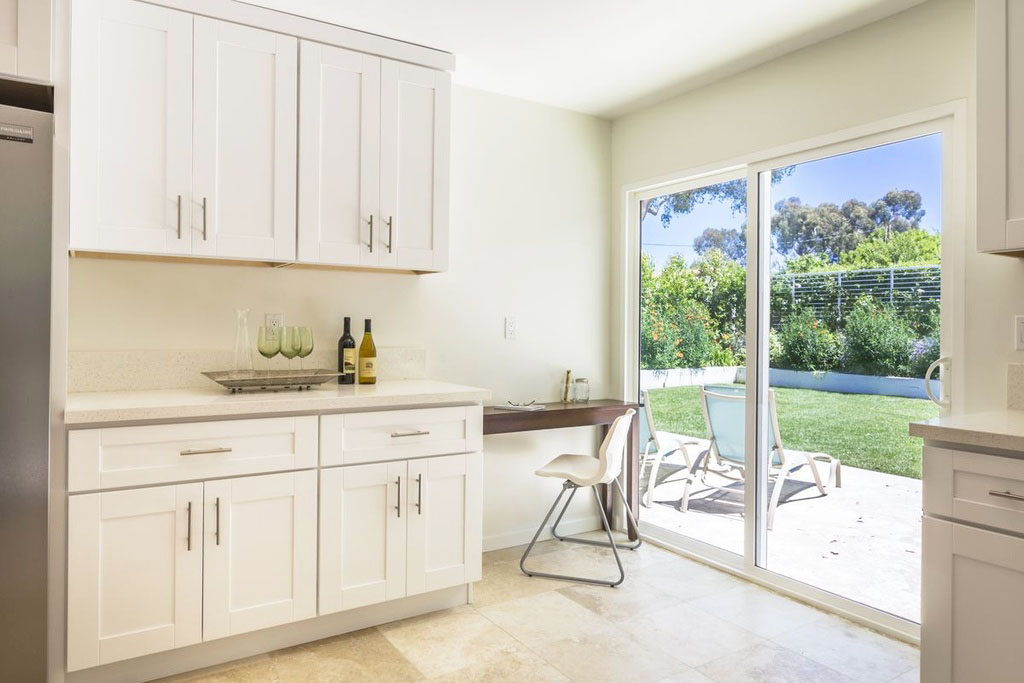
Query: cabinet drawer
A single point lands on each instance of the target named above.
(135, 456)
(975, 488)
(399, 434)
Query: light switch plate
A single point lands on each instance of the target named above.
(511, 327)
(1018, 333)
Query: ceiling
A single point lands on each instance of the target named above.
(601, 57)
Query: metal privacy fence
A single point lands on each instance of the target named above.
(910, 289)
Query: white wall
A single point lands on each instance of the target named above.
(919, 58)
(529, 237)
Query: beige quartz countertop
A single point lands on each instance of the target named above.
(1001, 429)
(191, 404)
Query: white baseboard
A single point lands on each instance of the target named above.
(222, 650)
(510, 539)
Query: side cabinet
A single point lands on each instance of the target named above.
(259, 537)
(135, 573)
(973, 606)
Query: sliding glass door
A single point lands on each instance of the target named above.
(780, 407)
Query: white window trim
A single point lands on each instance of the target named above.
(950, 120)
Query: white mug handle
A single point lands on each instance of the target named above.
(928, 382)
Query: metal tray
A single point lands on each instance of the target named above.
(270, 380)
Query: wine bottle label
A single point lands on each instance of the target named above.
(348, 361)
(367, 367)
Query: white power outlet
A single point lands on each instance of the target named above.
(273, 320)
(511, 327)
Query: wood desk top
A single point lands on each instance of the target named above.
(554, 416)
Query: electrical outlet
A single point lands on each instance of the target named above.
(511, 327)
(273, 320)
(1018, 333)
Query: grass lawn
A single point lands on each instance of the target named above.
(861, 430)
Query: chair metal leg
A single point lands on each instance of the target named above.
(606, 525)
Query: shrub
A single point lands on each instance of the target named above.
(807, 343)
(878, 342)
(774, 348)
(679, 337)
(923, 353)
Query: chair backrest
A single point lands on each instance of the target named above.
(725, 417)
(647, 431)
(613, 448)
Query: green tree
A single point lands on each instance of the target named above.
(732, 191)
(911, 247)
(729, 241)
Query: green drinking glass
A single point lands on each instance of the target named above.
(305, 343)
(290, 343)
(268, 343)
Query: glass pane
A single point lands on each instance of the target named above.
(855, 275)
(693, 312)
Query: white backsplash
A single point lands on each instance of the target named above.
(144, 370)
(1015, 386)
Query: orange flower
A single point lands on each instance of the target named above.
(679, 354)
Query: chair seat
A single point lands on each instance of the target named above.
(581, 470)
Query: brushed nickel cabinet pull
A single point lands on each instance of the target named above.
(216, 530)
(179, 216)
(188, 540)
(398, 507)
(371, 233)
(204, 451)
(399, 435)
(204, 219)
(419, 494)
(1006, 494)
(390, 233)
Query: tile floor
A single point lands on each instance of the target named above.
(672, 620)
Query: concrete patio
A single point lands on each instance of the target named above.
(861, 541)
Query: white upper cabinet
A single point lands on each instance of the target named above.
(414, 167)
(1000, 81)
(244, 129)
(339, 156)
(135, 573)
(131, 127)
(25, 38)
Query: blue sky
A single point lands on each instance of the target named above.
(866, 175)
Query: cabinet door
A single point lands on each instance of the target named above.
(339, 156)
(973, 604)
(445, 532)
(131, 170)
(362, 535)
(259, 552)
(246, 84)
(135, 572)
(415, 148)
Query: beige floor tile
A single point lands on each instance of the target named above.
(631, 598)
(361, 656)
(759, 610)
(258, 669)
(608, 655)
(912, 676)
(519, 667)
(691, 635)
(516, 552)
(769, 663)
(574, 560)
(540, 619)
(861, 654)
(505, 581)
(686, 675)
(688, 580)
(445, 642)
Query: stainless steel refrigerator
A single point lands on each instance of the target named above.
(26, 159)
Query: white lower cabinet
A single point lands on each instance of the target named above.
(394, 529)
(973, 604)
(259, 552)
(135, 573)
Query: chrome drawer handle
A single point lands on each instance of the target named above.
(188, 541)
(1006, 494)
(204, 451)
(399, 435)
(398, 506)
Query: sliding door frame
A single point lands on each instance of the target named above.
(949, 119)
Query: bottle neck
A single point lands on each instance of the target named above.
(348, 326)
(366, 326)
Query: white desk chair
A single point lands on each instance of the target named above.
(582, 471)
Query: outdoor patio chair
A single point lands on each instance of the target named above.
(658, 446)
(725, 419)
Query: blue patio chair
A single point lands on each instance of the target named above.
(658, 445)
(725, 420)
